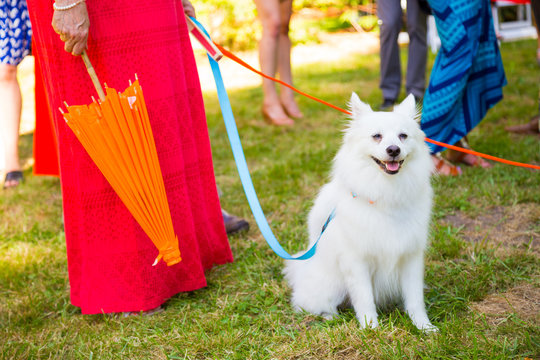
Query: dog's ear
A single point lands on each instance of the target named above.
(357, 107)
(407, 107)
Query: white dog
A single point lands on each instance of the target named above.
(372, 251)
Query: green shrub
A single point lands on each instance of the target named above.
(231, 24)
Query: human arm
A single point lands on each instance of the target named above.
(189, 10)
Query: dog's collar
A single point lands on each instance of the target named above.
(354, 195)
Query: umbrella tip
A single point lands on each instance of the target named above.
(157, 260)
(136, 76)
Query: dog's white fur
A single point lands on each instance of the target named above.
(372, 252)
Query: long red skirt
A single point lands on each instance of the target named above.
(109, 255)
(45, 144)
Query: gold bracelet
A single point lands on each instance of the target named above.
(66, 7)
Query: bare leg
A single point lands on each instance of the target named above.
(10, 115)
(284, 61)
(269, 14)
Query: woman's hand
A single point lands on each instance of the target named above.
(189, 10)
(72, 26)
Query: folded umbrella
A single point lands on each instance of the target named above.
(115, 131)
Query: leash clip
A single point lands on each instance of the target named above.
(204, 40)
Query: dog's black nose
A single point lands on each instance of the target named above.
(393, 150)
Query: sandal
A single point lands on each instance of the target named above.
(444, 167)
(13, 179)
(234, 224)
(467, 159)
(474, 161)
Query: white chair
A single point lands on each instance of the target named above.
(519, 28)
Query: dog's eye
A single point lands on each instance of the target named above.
(377, 137)
(403, 136)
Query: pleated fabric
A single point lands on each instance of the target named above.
(109, 256)
(45, 144)
(468, 75)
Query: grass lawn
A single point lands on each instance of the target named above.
(482, 268)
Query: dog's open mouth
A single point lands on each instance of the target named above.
(389, 167)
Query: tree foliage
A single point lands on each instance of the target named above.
(231, 23)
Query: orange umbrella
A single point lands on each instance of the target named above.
(116, 133)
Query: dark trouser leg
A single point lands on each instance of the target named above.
(416, 65)
(389, 12)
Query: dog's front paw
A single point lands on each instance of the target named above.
(421, 320)
(427, 327)
(424, 324)
(328, 316)
(367, 320)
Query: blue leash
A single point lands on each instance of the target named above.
(243, 171)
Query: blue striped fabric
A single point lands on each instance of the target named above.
(468, 75)
(15, 31)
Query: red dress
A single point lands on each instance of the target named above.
(45, 145)
(109, 256)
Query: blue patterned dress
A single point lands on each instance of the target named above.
(15, 31)
(468, 75)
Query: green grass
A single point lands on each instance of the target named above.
(244, 313)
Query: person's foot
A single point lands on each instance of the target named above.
(529, 128)
(13, 179)
(465, 158)
(473, 160)
(387, 104)
(444, 167)
(234, 224)
(275, 115)
(292, 109)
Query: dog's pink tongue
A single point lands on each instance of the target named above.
(392, 165)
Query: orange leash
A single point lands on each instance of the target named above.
(233, 57)
(453, 147)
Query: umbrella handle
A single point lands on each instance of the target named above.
(93, 75)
